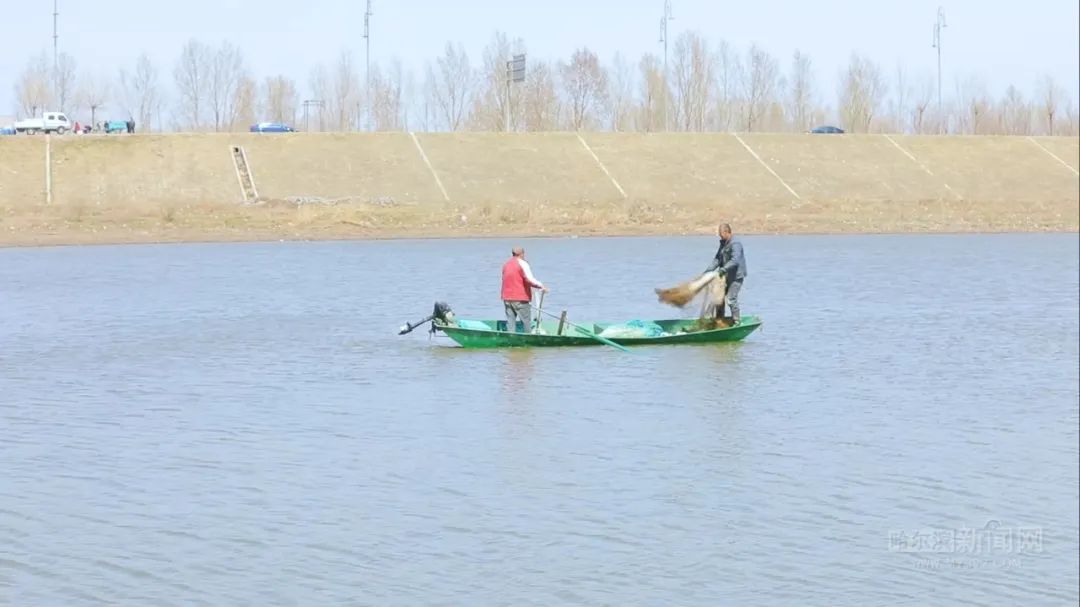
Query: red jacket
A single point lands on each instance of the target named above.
(515, 286)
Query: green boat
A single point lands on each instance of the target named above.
(471, 333)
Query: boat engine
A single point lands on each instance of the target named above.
(441, 311)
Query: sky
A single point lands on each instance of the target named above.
(1003, 43)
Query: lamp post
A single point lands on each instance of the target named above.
(55, 36)
(55, 46)
(367, 61)
(939, 24)
(664, 39)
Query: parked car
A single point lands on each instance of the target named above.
(7, 130)
(50, 122)
(271, 127)
(827, 130)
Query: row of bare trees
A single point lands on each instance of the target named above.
(708, 87)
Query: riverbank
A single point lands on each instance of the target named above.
(192, 187)
(79, 225)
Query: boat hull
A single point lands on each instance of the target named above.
(469, 334)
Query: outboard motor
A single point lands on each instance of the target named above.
(441, 312)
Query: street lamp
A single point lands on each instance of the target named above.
(938, 25)
(367, 60)
(664, 38)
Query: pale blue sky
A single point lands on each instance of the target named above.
(1007, 42)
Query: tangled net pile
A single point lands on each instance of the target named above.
(633, 328)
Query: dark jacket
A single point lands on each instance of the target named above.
(729, 257)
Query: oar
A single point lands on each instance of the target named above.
(539, 312)
(587, 332)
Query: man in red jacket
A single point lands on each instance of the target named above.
(517, 285)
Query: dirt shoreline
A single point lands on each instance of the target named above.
(153, 224)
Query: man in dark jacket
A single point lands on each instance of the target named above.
(731, 264)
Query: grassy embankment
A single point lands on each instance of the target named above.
(147, 188)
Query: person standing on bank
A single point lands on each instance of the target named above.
(517, 285)
(731, 264)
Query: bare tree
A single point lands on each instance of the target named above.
(972, 96)
(227, 72)
(138, 91)
(192, 76)
(695, 79)
(245, 106)
(922, 97)
(412, 99)
(450, 85)
(1071, 119)
(899, 117)
(424, 111)
(1050, 94)
(491, 100)
(800, 97)
(621, 95)
(861, 92)
(388, 102)
(651, 109)
(64, 81)
(760, 84)
(412, 103)
(94, 93)
(321, 89)
(585, 86)
(1015, 113)
(728, 73)
(540, 99)
(346, 94)
(33, 89)
(280, 100)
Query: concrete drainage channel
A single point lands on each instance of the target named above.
(243, 175)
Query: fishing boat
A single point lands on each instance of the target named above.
(472, 333)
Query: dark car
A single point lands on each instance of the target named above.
(271, 127)
(827, 130)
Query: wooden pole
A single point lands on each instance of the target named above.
(562, 322)
(48, 168)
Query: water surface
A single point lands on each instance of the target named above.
(240, 424)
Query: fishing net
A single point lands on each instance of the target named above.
(715, 290)
(713, 283)
(633, 328)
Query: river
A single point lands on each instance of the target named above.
(230, 424)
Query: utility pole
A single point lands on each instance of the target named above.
(938, 25)
(664, 39)
(367, 58)
(55, 35)
(55, 46)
